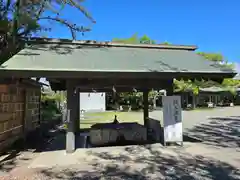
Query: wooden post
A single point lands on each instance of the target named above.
(72, 112)
(216, 100)
(193, 101)
(145, 108)
(169, 89)
(25, 113)
(77, 107)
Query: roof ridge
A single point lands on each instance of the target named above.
(109, 44)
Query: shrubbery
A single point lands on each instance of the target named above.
(49, 107)
(133, 99)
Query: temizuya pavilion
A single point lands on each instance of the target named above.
(85, 65)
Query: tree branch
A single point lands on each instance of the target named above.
(38, 14)
(72, 27)
(82, 9)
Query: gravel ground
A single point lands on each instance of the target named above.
(141, 162)
(196, 117)
(218, 157)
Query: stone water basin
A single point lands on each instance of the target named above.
(109, 133)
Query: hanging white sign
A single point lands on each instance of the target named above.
(172, 119)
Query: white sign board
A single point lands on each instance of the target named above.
(172, 119)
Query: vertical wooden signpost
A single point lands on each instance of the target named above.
(172, 119)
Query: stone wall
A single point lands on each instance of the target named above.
(19, 111)
(32, 105)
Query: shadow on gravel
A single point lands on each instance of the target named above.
(153, 166)
(222, 132)
(34, 142)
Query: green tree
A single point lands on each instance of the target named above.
(186, 86)
(228, 84)
(134, 39)
(231, 85)
(22, 14)
(231, 82)
(146, 40)
(134, 97)
(21, 19)
(166, 43)
(193, 86)
(218, 59)
(131, 40)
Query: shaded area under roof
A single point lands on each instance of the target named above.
(84, 57)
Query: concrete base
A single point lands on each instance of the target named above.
(70, 142)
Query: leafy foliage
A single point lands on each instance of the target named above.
(166, 43)
(186, 86)
(21, 19)
(190, 86)
(146, 40)
(58, 97)
(212, 56)
(49, 107)
(218, 59)
(23, 16)
(231, 82)
(131, 40)
(228, 84)
(134, 39)
(136, 98)
(231, 85)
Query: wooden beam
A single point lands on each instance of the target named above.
(112, 74)
(122, 83)
(118, 89)
(108, 44)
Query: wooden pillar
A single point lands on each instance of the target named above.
(215, 100)
(210, 98)
(145, 107)
(187, 98)
(77, 106)
(193, 101)
(197, 100)
(72, 114)
(169, 88)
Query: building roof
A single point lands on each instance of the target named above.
(237, 77)
(213, 89)
(76, 56)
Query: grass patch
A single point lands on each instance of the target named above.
(103, 114)
(203, 108)
(108, 116)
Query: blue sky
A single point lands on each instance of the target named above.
(214, 26)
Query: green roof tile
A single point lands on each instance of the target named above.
(77, 57)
